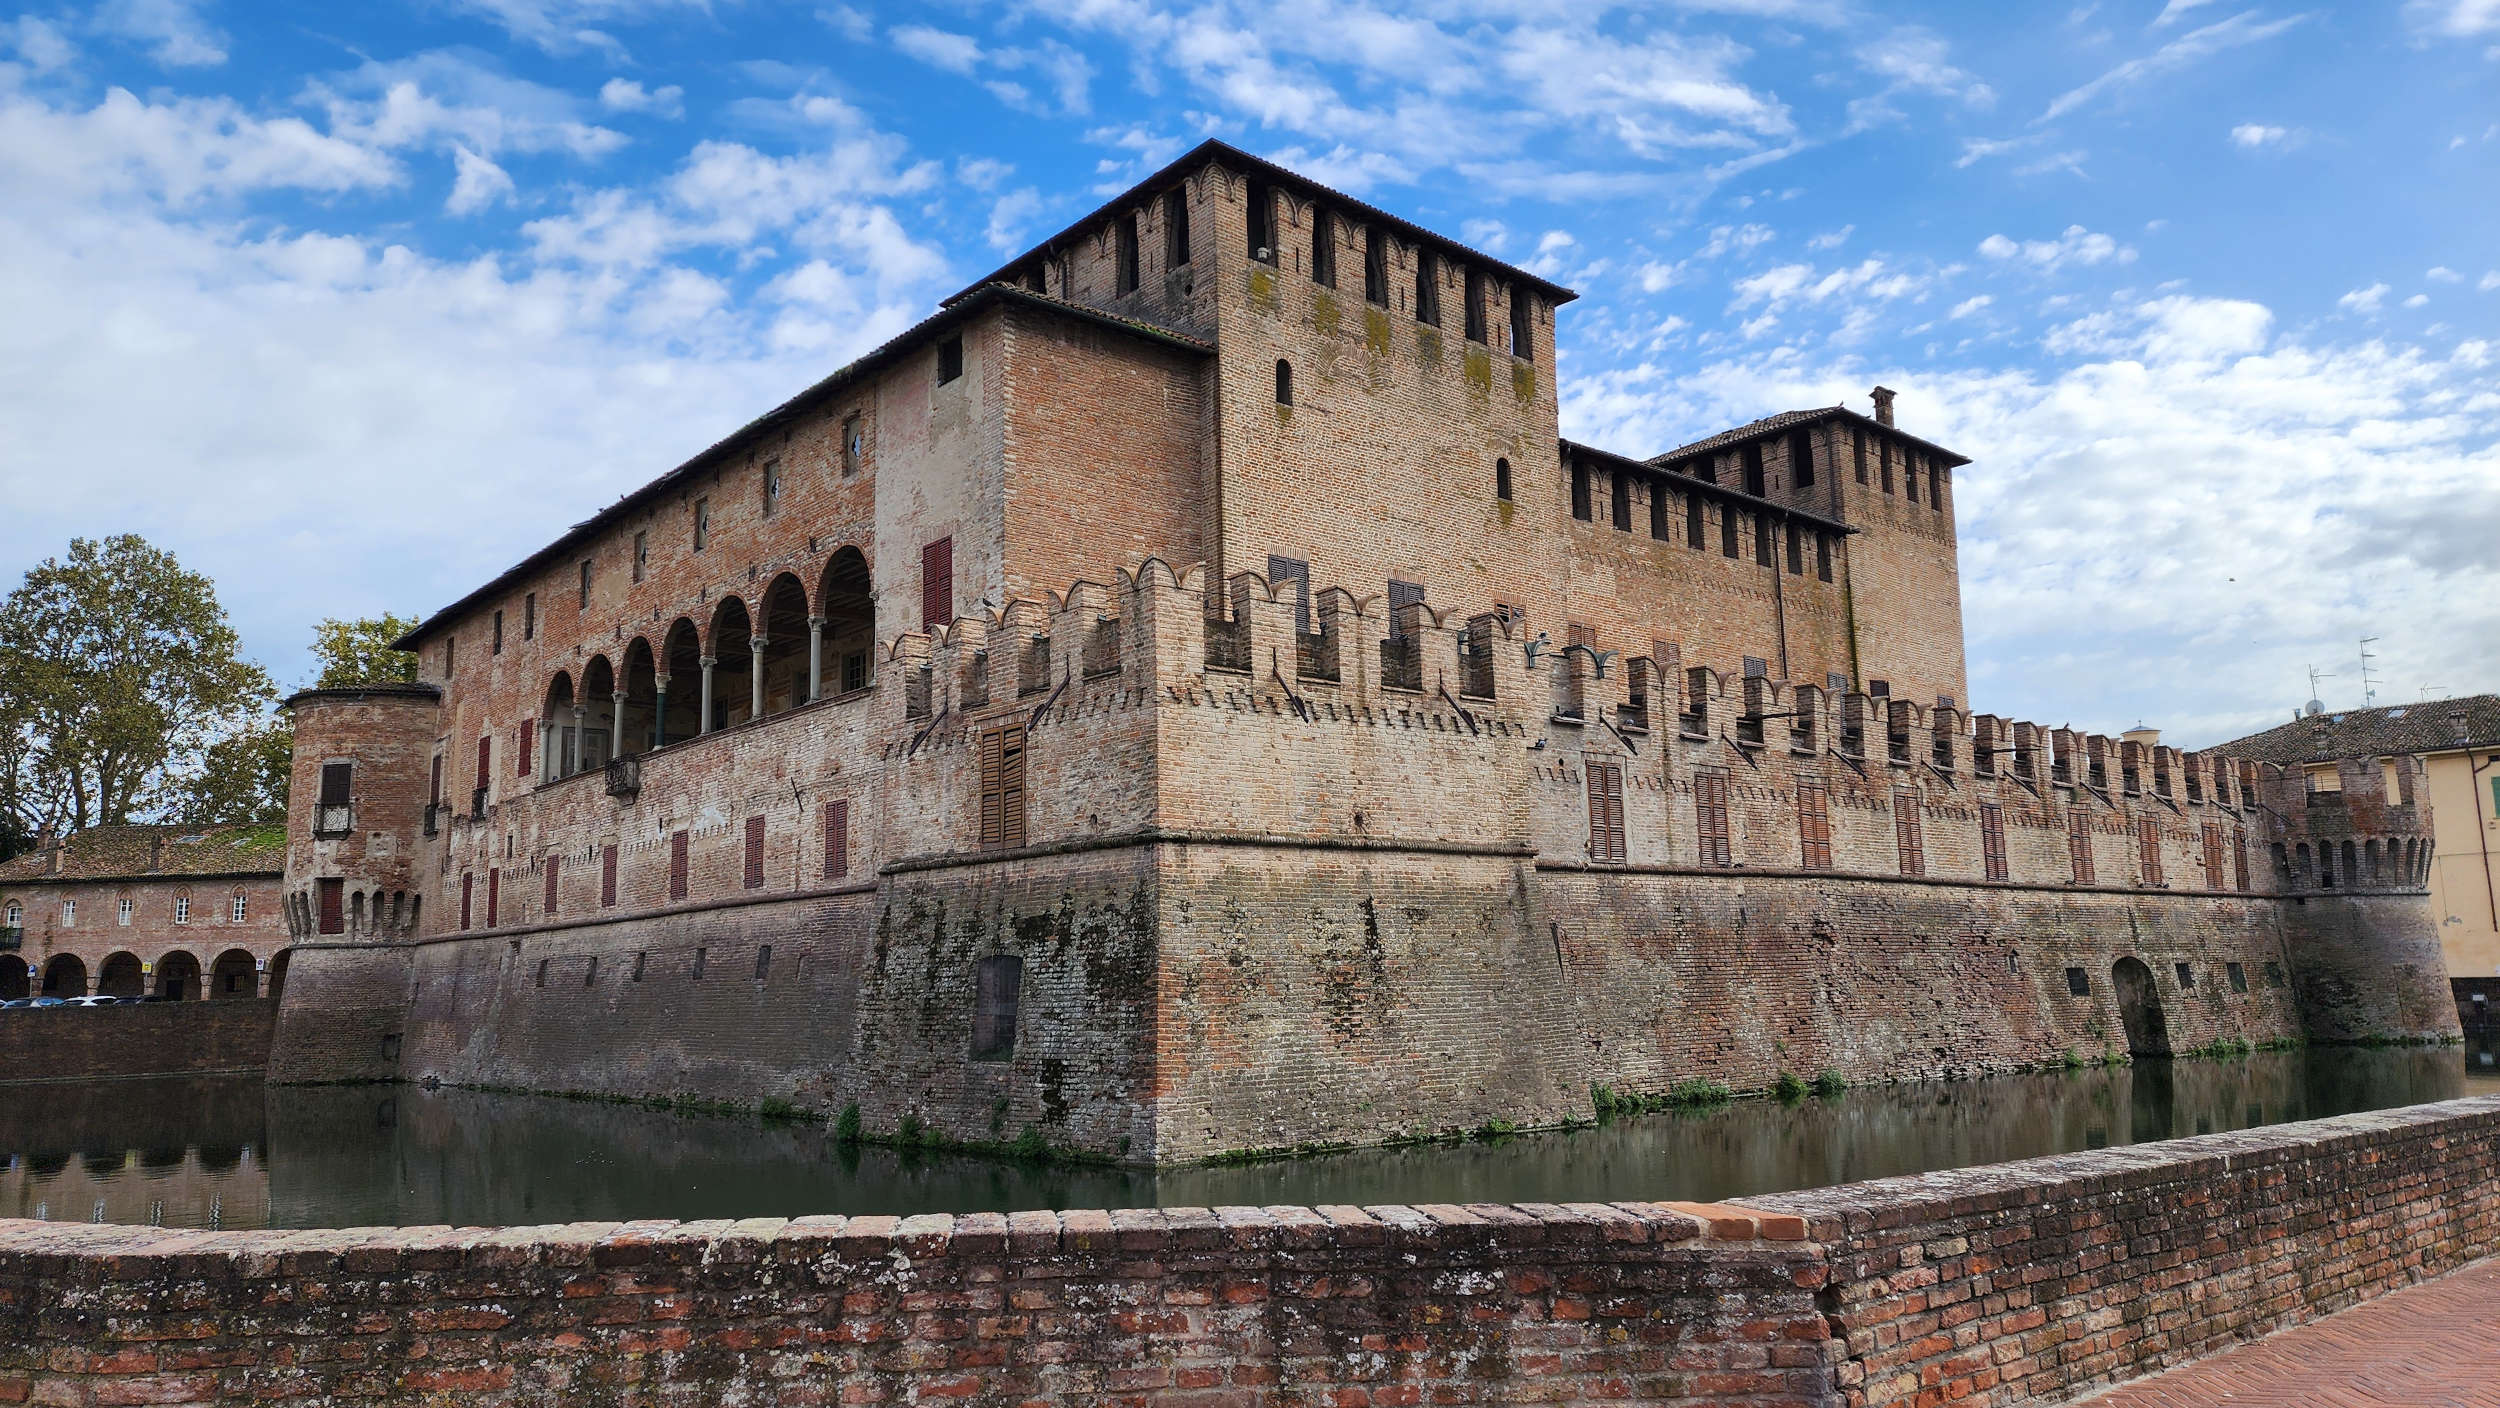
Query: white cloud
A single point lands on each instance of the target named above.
(1979, 149)
(478, 183)
(2363, 300)
(2455, 19)
(1062, 71)
(177, 151)
(2417, 300)
(2076, 246)
(2256, 134)
(1833, 239)
(569, 26)
(2442, 274)
(626, 95)
(2171, 13)
(1801, 283)
(42, 45)
(955, 53)
(2489, 281)
(1010, 215)
(1737, 239)
(442, 97)
(175, 34)
(2187, 49)
(1969, 306)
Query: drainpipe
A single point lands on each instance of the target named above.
(2482, 833)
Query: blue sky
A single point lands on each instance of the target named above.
(352, 306)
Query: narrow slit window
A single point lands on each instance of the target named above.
(1696, 525)
(1262, 223)
(1661, 521)
(1730, 543)
(642, 554)
(702, 523)
(1522, 323)
(1124, 238)
(1581, 506)
(1796, 550)
(950, 359)
(1754, 479)
(585, 597)
(1501, 480)
(1176, 227)
(1284, 382)
(1823, 557)
(1621, 500)
(1324, 248)
(1375, 267)
(1475, 307)
(1762, 539)
(1427, 288)
(1801, 458)
(1857, 452)
(772, 497)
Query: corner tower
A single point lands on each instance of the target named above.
(359, 801)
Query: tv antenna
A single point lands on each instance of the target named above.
(2315, 706)
(2369, 677)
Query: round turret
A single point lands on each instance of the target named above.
(359, 802)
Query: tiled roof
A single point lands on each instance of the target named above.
(1772, 424)
(2427, 727)
(124, 852)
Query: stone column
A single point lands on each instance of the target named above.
(573, 745)
(755, 675)
(706, 725)
(616, 727)
(815, 657)
(659, 712)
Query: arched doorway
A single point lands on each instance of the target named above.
(2139, 1007)
(15, 981)
(557, 737)
(120, 976)
(733, 672)
(277, 973)
(234, 976)
(598, 714)
(635, 719)
(681, 659)
(842, 598)
(65, 976)
(785, 644)
(178, 976)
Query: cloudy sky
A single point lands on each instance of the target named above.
(352, 306)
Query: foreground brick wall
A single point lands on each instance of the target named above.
(2022, 1283)
(159, 1038)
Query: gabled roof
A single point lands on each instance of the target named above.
(1214, 150)
(956, 311)
(1726, 493)
(1790, 420)
(2427, 727)
(125, 853)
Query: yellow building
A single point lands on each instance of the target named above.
(2458, 741)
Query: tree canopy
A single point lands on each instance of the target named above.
(359, 652)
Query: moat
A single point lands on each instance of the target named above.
(234, 1153)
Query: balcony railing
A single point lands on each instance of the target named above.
(12, 936)
(624, 776)
(333, 819)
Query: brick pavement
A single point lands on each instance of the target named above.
(2436, 1345)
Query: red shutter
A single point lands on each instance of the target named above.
(607, 876)
(2213, 856)
(1992, 839)
(1710, 804)
(468, 891)
(529, 735)
(1908, 831)
(1605, 788)
(436, 795)
(494, 893)
(555, 867)
(485, 751)
(1814, 825)
(333, 906)
(837, 839)
(677, 866)
(755, 852)
(2079, 846)
(2148, 844)
(937, 584)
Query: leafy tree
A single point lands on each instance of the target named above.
(118, 671)
(359, 652)
(242, 778)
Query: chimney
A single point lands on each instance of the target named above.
(1883, 405)
(2456, 725)
(156, 851)
(52, 848)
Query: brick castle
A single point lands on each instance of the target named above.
(1186, 696)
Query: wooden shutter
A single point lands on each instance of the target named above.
(435, 792)
(2213, 856)
(1992, 839)
(1710, 804)
(555, 867)
(937, 584)
(755, 853)
(677, 865)
(334, 905)
(485, 751)
(494, 893)
(1814, 825)
(607, 876)
(468, 890)
(1605, 786)
(1002, 787)
(1908, 832)
(2239, 861)
(337, 779)
(529, 737)
(837, 839)
(2079, 845)
(2148, 846)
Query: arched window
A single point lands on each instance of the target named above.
(121, 911)
(1501, 480)
(240, 907)
(182, 909)
(1284, 382)
(17, 915)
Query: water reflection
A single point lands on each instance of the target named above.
(208, 1152)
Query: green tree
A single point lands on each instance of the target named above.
(118, 671)
(242, 778)
(359, 652)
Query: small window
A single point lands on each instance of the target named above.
(1176, 227)
(1883, 461)
(772, 499)
(448, 655)
(1857, 452)
(2078, 982)
(1522, 322)
(1621, 500)
(498, 646)
(1284, 382)
(1796, 550)
(1704, 468)
(837, 839)
(950, 359)
(1755, 483)
(2187, 976)
(642, 554)
(1909, 477)
(1762, 539)
(702, 523)
(1801, 458)
(585, 601)
(2274, 975)
(998, 983)
(2236, 975)
(1501, 480)
(1262, 223)
(69, 914)
(1323, 248)
(1475, 306)
(542, 972)
(701, 955)
(854, 445)
(1660, 521)
(641, 960)
(1375, 267)
(529, 616)
(1823, 557)
(1696, 524)
(1730, 532)
(590, 972)
(337, 783)
(1124, 235)
(1581, 506)
(1427, 288)
(763, 962)
(122, 911)
(17, 915)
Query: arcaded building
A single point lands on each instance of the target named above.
(1186, 695)
(144, 910)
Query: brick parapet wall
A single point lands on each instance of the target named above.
(2020, 1283)
(157, 1038)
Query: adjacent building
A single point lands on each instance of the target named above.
(166, 911)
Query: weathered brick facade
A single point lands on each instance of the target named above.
(160, 911)
(1240, 676)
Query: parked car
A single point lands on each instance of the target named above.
(16, 1002)
(47, 1002)
(97, 1000)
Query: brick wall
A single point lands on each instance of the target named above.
(2020, 1283)
(156, 1038)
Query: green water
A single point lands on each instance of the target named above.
(233, 1153)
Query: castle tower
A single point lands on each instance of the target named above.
(361, 796)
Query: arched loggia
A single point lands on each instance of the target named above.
(638, 712)
(598, 714)
(681, 660)
(783, 656)
(556, 740)
(849, 614)
(733, 670)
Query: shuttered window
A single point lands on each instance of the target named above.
(755, 853)
(2213, 856)
(677, 866)
(468, 891)
(1710, 807)
(555, 868)
(1605, 783)
(607, 877)
(336, 781)
(837, 839)
(334, 905)
(1908, 833)
(2148, 849)
(2079, 845)
(998, 984)
(1002, 787)
(494, 893)
(1814, 825)
(529, 737)
(435, 787)
(937, 584)
(485, 752)
(2239, 861)
(1992, 839)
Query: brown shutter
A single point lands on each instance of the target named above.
(937, 584)
(2239, 861)
(2148, 845)
(677, 866)
(1992, 839)
(1002, 787)
(837, 839)
(435, 794)
(1814, 825)
(1710, 803)
(494, 893)
(607, 876)
(529, 737)
(1908, 832)
(468, 891)
(2079, 845)
(1605, 788)
(755, 853)
(334, 906)
(555, 866)
(485, 751)
(2213, 856)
